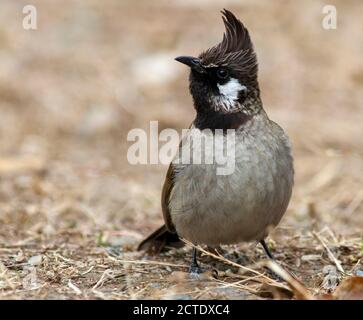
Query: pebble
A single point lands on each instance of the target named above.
(35, 260)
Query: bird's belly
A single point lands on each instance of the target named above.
(213, 209)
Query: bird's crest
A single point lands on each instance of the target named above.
(235, 50)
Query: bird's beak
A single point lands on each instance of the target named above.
(192, 62)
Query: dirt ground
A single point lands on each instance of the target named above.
(72, 209)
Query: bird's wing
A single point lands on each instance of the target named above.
(165, 194)
(166, 234)
(167, 188)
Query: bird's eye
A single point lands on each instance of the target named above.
(222, 73)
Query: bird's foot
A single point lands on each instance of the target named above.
(195, 271)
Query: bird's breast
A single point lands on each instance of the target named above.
(238, 195)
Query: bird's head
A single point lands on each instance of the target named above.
(223, 78)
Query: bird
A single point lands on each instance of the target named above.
(207, 208)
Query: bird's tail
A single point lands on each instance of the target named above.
(160, 239)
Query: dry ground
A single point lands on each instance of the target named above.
(71, 207)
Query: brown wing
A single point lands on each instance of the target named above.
(165, 194)
(165, 235)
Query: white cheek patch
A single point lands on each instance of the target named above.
(231, 89)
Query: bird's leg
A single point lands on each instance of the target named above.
(269, 254)
(267, 250)
(194, 267)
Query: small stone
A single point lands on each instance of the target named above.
(35, 260)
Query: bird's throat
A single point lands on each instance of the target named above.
(216, 120)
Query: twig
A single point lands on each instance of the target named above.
(64, 258)
(74, 287)
(330, 254)
(88, 271)
(106, 274)
(299, 289)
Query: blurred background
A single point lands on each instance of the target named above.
(71, 90)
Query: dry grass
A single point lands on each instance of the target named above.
(72, 209)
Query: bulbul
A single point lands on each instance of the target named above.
(201, 205)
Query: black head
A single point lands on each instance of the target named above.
(223, 78)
